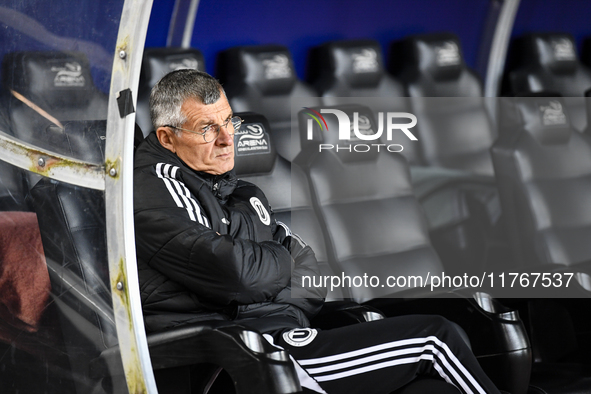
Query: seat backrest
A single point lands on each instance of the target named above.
(12, 179)
(60, 83)
(353, 72)
(543, 170)
(284, 184)
(46, 92)
(352, 68)
(156, 63)
(455, 133)
(73, 232)
(262, 79)
(548, 62)
(72, 224)
(371, 220)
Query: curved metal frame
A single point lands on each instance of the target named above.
(53, 165)
(498, 50)
(119, 195)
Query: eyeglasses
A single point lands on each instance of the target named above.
(211, 132)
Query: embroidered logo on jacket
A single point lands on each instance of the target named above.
(261, 210)
(299, 337)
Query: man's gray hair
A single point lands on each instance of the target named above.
(169, 94)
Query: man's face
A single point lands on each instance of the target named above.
(216, 157)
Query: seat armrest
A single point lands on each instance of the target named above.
(339, 313)
(253, 363)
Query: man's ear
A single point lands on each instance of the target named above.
(165, 136)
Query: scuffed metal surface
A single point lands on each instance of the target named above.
(50, 164)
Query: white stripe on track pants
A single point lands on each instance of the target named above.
(384, 355)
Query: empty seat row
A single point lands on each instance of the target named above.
(548, 62)
(263, 79)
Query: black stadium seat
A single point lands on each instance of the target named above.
(353, 72)
(352, 68)
(262, 79)
(543, 169)
(455, 133)
(12, 180)
(548, 62)
(46, 92)
(374, 226)
(60, 83)
(156, 63)
(369, 212)
(455, 185)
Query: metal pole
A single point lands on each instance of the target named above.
(498, 50)
(119, 199)
(182, 23)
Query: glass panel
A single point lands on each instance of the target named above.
(55, 299)
(56, 62)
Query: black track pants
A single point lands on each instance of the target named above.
(382, 356)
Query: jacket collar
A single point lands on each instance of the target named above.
(151, 152)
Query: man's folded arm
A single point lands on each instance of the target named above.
(220, 268)
(308, 299)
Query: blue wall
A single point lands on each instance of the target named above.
(302, 24)
(570, 16)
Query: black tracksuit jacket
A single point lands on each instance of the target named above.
(209, 247)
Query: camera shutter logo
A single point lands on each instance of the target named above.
(260, 210)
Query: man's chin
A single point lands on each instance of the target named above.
(225, 167)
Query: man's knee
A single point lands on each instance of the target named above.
(442, 328)
(448, 330)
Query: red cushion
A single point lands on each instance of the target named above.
(24, 281)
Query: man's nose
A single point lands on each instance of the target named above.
(226, 135)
